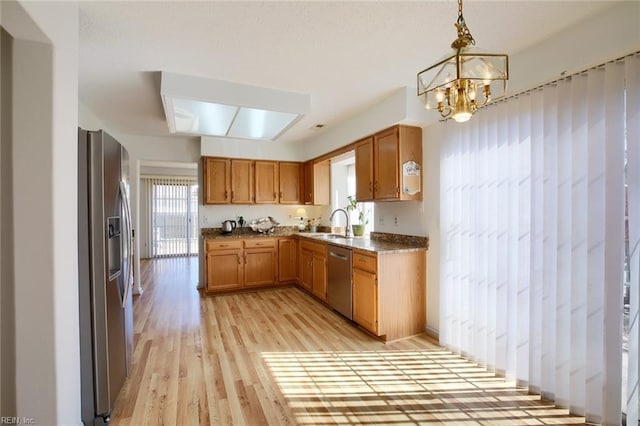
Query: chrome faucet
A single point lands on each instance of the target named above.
(347, 232)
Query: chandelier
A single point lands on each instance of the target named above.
(465, 79)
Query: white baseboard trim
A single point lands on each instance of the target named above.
(432, 332)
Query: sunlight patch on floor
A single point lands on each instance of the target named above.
(400, 387)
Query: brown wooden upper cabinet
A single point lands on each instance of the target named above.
(380, 160)
(317, 182)
(241, 181)
(217, 180)
(266, 182)
(291, 182)
(364, 169)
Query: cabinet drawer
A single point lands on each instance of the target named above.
(314, 247)
(366, 263)
(223, 244)
(259, 243)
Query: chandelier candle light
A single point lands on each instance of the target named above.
(451, 85)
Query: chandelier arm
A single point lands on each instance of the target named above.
(444, 112)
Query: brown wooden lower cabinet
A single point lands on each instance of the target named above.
(224, 270)
(224, 265)
(306, 269)
(320, 275)
(236, 264)
(313, 268)
(365, 299)
(287, 259)
(259, 266)
(389, 293)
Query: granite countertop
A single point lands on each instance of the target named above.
(378, 242)
(246, 232)
(374, 244)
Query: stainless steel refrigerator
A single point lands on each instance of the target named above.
(105, 272)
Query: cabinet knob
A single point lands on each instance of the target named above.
(238, 256)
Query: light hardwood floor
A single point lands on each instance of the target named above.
(279, 357)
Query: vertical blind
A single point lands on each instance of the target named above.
(532, 222)
(172, 207)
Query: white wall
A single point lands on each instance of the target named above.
(390, 111)
(242, 148)
(44, 134)
(212, 216)
(609, 35)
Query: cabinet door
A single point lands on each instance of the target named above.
(308, 182)
(217, 181)
(322, 183)
(259, 267)
(386, 185)
(290, 183)
(364, 170)
(287, 259)
(241, 181)
(266, 182)
(224, 269)
(320, 276)
(306, 272)
(317, 183)
(365, 299)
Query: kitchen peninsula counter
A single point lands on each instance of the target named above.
(378, 242)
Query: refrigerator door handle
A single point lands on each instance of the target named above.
(128, 273)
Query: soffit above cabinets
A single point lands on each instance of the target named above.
(202, 106)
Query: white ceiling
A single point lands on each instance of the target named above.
(347, 55)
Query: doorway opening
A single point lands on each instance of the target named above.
(169, 210)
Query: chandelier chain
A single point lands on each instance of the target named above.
(464, 35)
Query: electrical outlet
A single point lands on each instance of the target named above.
(395, 220)
(381, 220)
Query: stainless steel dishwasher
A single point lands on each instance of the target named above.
(339, 294)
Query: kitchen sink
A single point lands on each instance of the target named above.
(333, 237)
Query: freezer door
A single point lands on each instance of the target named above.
(98, 231)
(114, 288)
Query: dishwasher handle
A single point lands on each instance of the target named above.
(338, 255)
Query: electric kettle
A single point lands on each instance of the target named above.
(228, 226)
